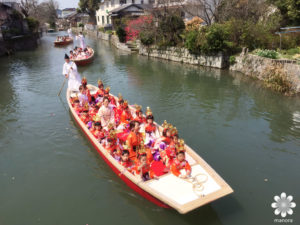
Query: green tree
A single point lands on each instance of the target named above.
(290, 10)
(90, 7)
(171, 27)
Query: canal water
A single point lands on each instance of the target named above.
(50, 174)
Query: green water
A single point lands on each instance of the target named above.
(50, 174)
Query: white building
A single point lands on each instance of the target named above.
(103, 14)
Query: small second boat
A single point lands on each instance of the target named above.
(66, 40)
(83, 62)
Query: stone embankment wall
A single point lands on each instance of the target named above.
(182, 55)
(20, 43)
(260, 67)
(115, 41)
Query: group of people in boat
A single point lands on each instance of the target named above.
(78, 53)
(132, 139)
(62, 38)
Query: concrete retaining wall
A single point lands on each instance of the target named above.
(259, 67)
(182, 55)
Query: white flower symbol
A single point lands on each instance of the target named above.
(283, 204)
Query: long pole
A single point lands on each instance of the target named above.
(63, 84)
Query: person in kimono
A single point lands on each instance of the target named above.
(80, 38)
(70, 72)
(70, 32)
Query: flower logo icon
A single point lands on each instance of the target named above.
(283, 205)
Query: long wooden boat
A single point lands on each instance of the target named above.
(67, 41)
(168, 191)
(83, 62)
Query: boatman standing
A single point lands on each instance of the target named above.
(81, 40)
(70, 72)
(70, 32)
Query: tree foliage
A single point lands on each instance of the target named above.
(290, 10)
(90, 7)
(170, 29)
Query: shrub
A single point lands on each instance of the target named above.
(80, 25)
(33, 24)
(146, 38)
(109, 32)
(267, 53)
(101, 29)
(170, 29)
(193, 42)
(134, 27)
(209, 40)
(121, 33)
(217, 39)
(194, 24)
(232, 60)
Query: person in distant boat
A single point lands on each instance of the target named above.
(70, 32)
(70, 72)
(180, 163)
(106, 114)
(81, 40)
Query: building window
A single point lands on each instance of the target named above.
(122, 2)
(98, 19)
(103, 20)
(112, 2)
(142, 1)
(133, 1)
(107, 3)
(107, 18)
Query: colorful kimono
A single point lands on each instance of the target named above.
(177, 166)
(107, 116)
(133, 141)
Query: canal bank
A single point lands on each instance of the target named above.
(50, 174)
(276, 74)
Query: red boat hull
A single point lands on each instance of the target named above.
(62, 43)
(124, 178)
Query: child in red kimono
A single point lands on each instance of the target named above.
(101, 91)
(85, 88)
(126, 161)
(142, 168)
(116, 154)
(110, 146)
(112, 100)
(139, 114)
(134, 138)
(84, 115)
(169, 154)
(93, 110)
(118, 111)
(179, 164)
(76, 105)
(98, 132)
(126, 116)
